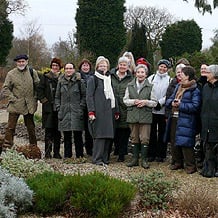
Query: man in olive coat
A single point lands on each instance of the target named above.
(19, 88)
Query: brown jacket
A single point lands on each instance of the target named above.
(19, 89)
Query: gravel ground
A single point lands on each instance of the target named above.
(118, 170)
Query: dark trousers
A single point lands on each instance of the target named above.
(121, 140)
(181, 156)
(52, 139)
(157, 147)
(101, 151)
(173, 148)
(10, 130)
(78, 141)
(88, 138)
(67, 144)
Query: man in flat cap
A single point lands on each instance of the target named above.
(19, 87)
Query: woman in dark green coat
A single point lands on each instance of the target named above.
(120, 78)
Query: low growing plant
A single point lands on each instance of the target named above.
(101, 194)
(197, 202)
(51, 191)
(15, 195)
(154, 189)
(19, 166)
(95, 193)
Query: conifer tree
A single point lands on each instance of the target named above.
(181, 37)
(6, 34)
(138, 42)
(100, 28)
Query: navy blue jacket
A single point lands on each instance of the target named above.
(188, 109)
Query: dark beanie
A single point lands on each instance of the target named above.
(164, 61)
(21, 56)
(56, 61)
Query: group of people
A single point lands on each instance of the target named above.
(113, 107)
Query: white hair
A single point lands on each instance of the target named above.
(142, 66)
(180, 66)
(213, 69)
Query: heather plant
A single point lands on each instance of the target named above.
(97, 194)
(18, 165)
(101, 194)
(155, 189)
(15, 195)
(51, 191)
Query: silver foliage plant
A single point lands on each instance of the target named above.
(19, 166)
(15, 195)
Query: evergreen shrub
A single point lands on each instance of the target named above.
(96, 193)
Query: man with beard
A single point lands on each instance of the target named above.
(19, 87)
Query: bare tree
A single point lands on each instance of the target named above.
(33, 44)
(155, 21)
(13, 6)
(66, 49)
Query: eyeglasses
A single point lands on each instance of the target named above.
(55, 65)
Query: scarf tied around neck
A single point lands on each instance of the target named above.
(108, 91)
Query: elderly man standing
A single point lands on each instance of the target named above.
(19, 87)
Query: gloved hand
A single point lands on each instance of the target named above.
(117, 116)
(158, 107)
(91, 116)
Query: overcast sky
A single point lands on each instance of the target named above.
(56, 17)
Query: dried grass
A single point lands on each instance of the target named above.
(197, 201)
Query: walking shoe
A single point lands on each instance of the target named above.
(151, 159)
(48, 155)
(190, 170)
(175, 167)
(159, 159)
(57, 156)
(121, 159)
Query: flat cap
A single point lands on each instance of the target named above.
(21, 56)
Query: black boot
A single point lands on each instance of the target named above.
(135, 158)
(57, 150)
(48, 146)
(57, 142)
(144, 156)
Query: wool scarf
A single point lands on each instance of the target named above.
(108, 91)
(182, 88)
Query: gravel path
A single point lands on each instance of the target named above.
(115, 169)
